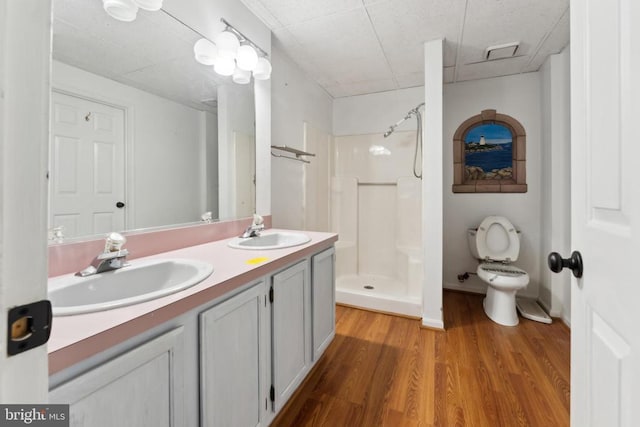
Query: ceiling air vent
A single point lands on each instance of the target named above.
(501, 51)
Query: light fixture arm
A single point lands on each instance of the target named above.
(243, 38)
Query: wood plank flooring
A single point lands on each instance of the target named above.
(384, 370)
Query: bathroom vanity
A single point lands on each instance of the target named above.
(229, 351)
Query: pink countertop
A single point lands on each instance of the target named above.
(75, 338)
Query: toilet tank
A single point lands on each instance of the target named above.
(471, 240)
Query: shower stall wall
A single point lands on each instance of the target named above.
(376, 209)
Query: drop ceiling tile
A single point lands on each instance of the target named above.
(345, 47)
(294, 12)
(258, 9)
(404, 25)
(495, 22)
(289, 46)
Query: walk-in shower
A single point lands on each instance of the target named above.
(377, 211)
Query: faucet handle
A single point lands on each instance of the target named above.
(56, 234)
(114, 242)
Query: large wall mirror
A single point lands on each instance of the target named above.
(141, 134)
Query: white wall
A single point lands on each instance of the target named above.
(236, 113)
(518, 96)
(555, 289)
(165, 145)
(296, 100)
(375, 112)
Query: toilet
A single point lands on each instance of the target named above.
(496, 244)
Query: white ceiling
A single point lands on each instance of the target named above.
(353, 47)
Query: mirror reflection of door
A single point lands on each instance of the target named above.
(87, 167)
(245, 158)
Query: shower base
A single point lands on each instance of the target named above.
(379, 293)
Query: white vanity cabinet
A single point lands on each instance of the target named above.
(291, 330)
(323, 301)
(142, 387)
(257, 347)
(232, 360)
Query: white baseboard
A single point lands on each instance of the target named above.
(466, 287)
(433, 323)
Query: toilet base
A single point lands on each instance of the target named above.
(500, 306)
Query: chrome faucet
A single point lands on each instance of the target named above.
(111, 258)
(255, 228)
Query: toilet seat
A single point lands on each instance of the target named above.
(497, 240)
(503, 276)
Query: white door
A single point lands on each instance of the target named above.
(605, 110)
(25, 37)
(86, 177)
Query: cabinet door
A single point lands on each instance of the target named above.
(290, 331)
(143, 387)
(230, 360)
(323, 301)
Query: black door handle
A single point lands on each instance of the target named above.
(119, 205)
(557, 263)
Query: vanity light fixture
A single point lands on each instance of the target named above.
(248, 56)
(233, 54)
(122, 10)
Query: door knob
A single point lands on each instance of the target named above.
(119, 205)
(557, 263)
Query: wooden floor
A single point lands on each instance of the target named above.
(384, 370)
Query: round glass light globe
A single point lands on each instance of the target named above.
(225, 66)
(241, 77)
(205, 52)
(247, 58)
(262, 70)
(228, 45)
(151, 5)
(122, 10)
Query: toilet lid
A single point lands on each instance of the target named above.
(497, 240)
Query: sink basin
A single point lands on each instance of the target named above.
(274, 240)
(138, 282)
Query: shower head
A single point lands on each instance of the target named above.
(415, 111)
